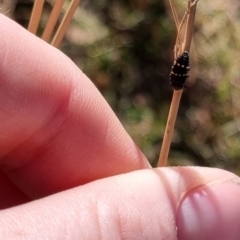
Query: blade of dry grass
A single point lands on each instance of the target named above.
(176, 20)
(174, 13)
(35, 16)
(52, 20)
(65, 22)
(162, 161)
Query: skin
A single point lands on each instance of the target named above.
(68, 169)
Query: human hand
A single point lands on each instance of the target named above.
(60, 143)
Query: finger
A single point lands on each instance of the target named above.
(10, 194)
(146, 204)
(56, 130)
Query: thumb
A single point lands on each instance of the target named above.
(166, 203)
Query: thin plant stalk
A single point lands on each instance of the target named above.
(52, 20)
(35, 16)
(162, 161)
(65, 22)
(169, 128)
(190, 24)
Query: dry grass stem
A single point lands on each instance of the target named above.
(190, 13)
(65, 22)
(35, 16)
(192, 7)
(169, 128)
(52, 20)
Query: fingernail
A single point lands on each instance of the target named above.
(209, 213)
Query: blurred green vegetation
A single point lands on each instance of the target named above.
(126, 49)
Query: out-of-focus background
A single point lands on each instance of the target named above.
(126, 49)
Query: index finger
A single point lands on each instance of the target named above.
(56, 130)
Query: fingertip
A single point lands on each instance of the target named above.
(210, 212)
